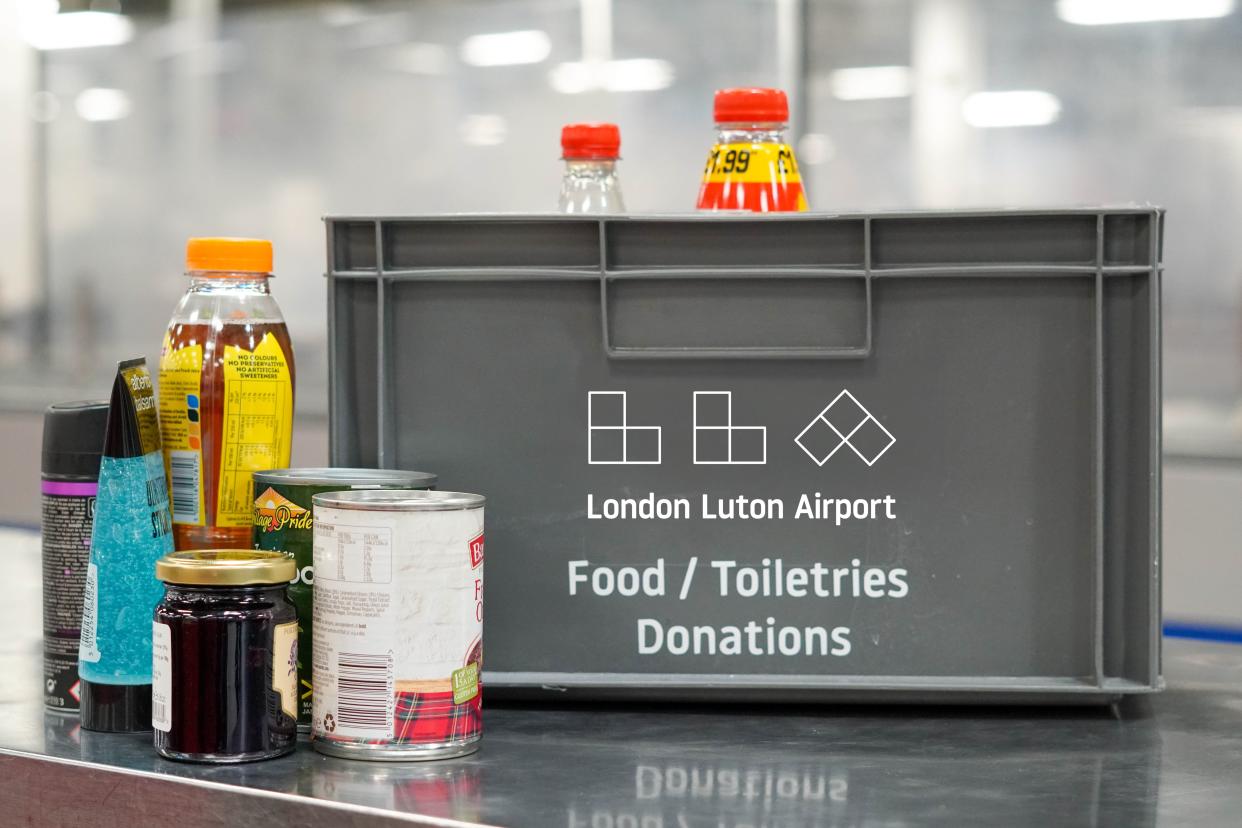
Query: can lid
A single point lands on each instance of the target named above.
(751, 105)
(225, 567)
(227, 255)
(587, 142)
(347, 477)
(73, 437)
(115, 708)
(399, 500)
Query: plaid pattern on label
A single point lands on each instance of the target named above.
(432, 717)
(421, 718)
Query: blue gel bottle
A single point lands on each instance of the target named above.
(132, 530)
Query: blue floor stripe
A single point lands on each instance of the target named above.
(1204, 632)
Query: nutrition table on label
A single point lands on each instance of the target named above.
(361, 555)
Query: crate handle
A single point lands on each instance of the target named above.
(861, 350)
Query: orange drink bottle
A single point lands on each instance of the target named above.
(225, 392)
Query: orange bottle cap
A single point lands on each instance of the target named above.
(229, 255)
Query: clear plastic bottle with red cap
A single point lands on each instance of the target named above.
(751, 167)
(590, 185)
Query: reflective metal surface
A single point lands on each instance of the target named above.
(1174, 758)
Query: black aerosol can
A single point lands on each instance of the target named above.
(73, 436)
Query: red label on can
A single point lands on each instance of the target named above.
(476, 552)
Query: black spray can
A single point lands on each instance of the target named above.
(73, 437)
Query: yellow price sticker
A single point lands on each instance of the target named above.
(751, 163)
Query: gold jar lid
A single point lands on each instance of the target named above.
(225, 567)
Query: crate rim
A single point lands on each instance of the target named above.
(966, 212)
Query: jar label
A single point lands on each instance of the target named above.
(285, 666)
(161, 676)
(181, 430)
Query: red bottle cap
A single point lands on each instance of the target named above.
(751, 106)
(590, 142)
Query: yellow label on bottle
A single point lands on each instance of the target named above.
(257, 428)
(181, 430)
(285, 666)
(749, 162)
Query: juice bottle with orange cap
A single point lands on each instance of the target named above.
(751, 167)
(590, 184)
(225, 391)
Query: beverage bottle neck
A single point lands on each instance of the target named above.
(217, 281)
(591, 186)
(751, 133)
(592, 169)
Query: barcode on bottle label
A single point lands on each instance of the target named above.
(88, 647)
(183, 468)
(364, 694)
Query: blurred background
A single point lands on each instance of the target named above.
(128, 125)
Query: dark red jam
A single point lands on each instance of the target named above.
(225, 686)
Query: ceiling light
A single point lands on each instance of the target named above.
(337, 15)
(32, 9)
(863, 83)
(815, 148)
(506, 48)
(1024, 107)
(77, 30)
(1104, 12)
(44, 107)
(98, 104)
(421, 59)
(484, 130)
(635, 75)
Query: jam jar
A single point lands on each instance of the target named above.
(224, 648)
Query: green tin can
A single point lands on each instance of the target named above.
(283, 522)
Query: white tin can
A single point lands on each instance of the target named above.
(398, 632)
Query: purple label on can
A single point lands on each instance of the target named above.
(59, 487)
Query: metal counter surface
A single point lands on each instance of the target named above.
(1170, 759)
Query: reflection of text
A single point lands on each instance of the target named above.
(723, 782)
(801, 795)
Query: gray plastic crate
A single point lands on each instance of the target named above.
(996, 374)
